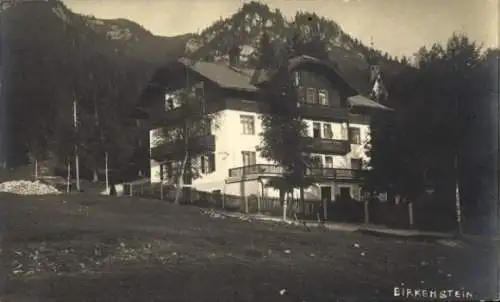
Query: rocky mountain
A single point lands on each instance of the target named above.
(50, 55)
(246, 26)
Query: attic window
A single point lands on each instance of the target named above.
(311, 96)
(297, 79)
(172, 101)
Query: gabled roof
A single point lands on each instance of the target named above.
(361, 101)
(229, 77)
(221, 74)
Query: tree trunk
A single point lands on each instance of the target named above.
(180, 181)
(302, 203)
(36, 169)
(68, 184)
(285, 206)
(106, 171)
(366, 208)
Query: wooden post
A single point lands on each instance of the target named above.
(325, 210)
(410, 213)
(161, 190)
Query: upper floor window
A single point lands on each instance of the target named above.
(323, 97)
(311, 96)
(296, 78)
(355, 135)
(208, 163)
(247, 124)
(328, 162)
(249, 158)
(171, 101)
(327, 131)
(317, 130)
(316, 161)
(356, 163)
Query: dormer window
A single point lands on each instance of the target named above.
(311, 96)
(323, 97)
(297, 79)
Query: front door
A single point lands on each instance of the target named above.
(345, 193)
(326, 193)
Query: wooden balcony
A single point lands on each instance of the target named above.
(160, 116)
(328, 146)
(316, 111)
(320, 173)
(171, 149)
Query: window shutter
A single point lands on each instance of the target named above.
(211, 162)
(202, 158)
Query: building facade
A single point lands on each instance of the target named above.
(225, 152)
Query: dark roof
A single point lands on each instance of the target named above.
(361, 101)
(352, 69)
(220, 73)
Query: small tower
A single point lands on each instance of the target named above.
(377, 88)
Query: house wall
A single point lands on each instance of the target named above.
(230, 142)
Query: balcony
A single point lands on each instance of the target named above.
(328, 146)
(316, 111)
(274, 170)
(196, 144)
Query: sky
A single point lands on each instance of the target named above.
(398, 27)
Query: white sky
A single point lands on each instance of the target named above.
(397, 26)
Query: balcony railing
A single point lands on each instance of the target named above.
(329, 146)
(206, 143)
(323, 112)
(321, 172)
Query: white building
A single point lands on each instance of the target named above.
(336, 115)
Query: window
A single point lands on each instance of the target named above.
(208, 163)
(328, 162)
(311, 96)
(249, 158)
(247, 124)
(170, 169)
(317, 130)
(356, 163)
(355, 135)
(316, 161)
(323, 97)
(172, 101)
(297, 78)
(327, 131)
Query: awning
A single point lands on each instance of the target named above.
(361, 101)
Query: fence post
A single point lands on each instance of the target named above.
(410, 214)
(161, 190)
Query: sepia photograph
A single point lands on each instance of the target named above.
(249, 150)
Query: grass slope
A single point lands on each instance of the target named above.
(82, 248)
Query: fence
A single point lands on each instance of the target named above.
(427, 215)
